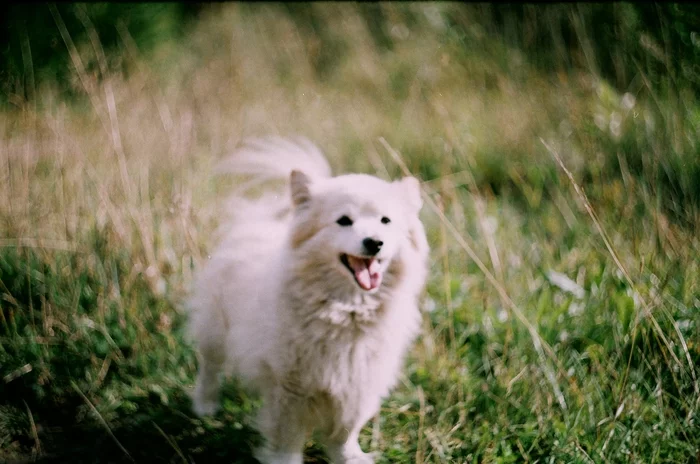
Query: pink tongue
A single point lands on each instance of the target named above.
(367, 272)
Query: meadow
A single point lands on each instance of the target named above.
(561, 199)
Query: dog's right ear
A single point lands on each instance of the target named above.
(300, 188)
(411, 191)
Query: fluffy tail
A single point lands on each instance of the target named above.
(262, 167)
(273, 159)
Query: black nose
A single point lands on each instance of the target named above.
(372, 246)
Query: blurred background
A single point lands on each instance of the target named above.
(558, 149)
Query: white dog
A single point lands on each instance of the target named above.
(311, 300)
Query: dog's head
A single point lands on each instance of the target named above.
(353, 227)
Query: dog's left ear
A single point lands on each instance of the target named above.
(411, 189)
(300, 188)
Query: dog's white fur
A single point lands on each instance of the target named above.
(275, 306)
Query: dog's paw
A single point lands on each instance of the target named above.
(349, 453)
(356, 458)
(363, 458)
(266, 456)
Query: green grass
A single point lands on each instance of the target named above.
(108, 205)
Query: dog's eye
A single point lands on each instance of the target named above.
(386, 220)
(344, 221)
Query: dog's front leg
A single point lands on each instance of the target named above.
(342, 443)
(283, 424)
(347, 450)
(205, 398)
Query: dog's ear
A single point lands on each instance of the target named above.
(410, 187)
(300, 188)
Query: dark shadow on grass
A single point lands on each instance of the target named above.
(153, 431)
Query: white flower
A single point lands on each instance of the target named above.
(600, 121)
(628, 101)
(566, 284)
(575, 309)
(615, 124)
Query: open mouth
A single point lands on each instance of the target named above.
(367, 271)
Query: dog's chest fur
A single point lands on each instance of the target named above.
(344, 348)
